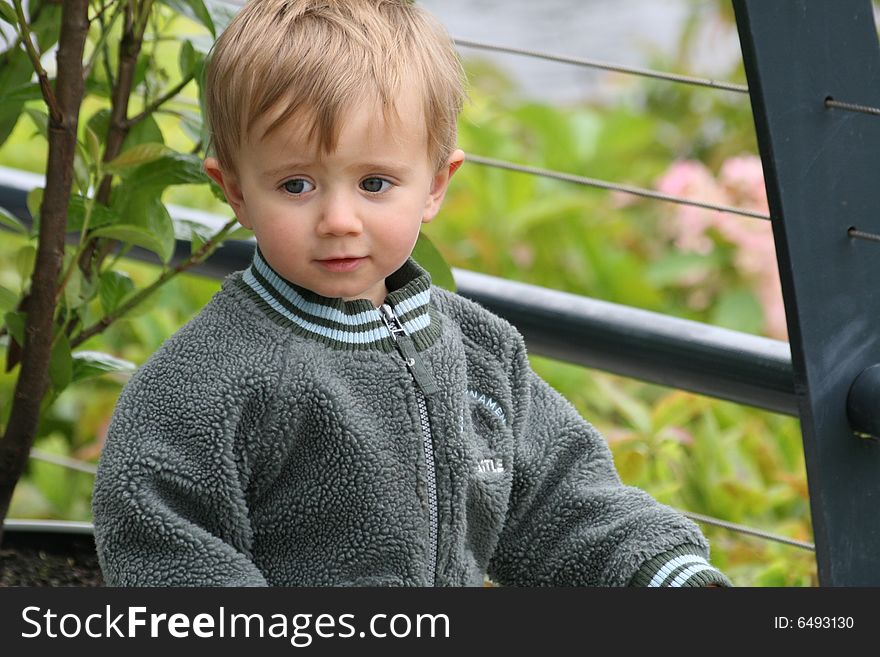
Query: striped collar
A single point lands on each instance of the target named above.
(353, 325)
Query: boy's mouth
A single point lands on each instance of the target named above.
(338, 265)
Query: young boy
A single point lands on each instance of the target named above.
(330, 418)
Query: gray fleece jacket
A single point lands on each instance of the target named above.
(284, 438)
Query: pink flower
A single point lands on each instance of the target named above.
(743, 179)
(740, 183)
(692, 179)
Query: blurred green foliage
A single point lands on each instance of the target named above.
(696, 454)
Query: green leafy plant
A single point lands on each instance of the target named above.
(105, 177)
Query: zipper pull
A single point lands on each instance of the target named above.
(408, 350)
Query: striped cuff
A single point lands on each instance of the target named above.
(683, 566)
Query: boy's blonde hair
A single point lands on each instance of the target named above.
(318, 58)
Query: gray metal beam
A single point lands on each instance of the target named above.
(820, 165)
(645, 345)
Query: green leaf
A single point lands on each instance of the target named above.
(15, 322)
(142, 132)
(427, 255)
(173, 169)
(114, 286)
(136, 156)
(197, 242)
(187, 59)
(197, 233)
(11, 221)
(146, 222)
(740, 311)
(76, 214)
(88, 364)
(205, 136)
(7, 13)
(61, 363)
(81, 172)
(40, 119)
(78, 289)
(73, 291)
(194, 9)
(192, 126)
(25, 258)
(94, 145)
(99, 122)
(22, 93)
(15, 71)
(8, 300)
(34, 201)
(137, 236)
(47, 26)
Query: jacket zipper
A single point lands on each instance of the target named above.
(425, 386)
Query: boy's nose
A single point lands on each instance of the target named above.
(338, 217)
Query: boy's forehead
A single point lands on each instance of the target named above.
(367, 120)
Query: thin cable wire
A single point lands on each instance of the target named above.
(741, 529)
(63, 461)
(852, 107)
(853, 232)
(601, 184)
(606, 66)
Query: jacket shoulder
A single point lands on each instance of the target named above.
(480, 327)
(227, 344)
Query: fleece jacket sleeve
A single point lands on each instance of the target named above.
(571, 522)
(169, 504)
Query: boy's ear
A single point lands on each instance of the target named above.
(440, 184)
(231, 188)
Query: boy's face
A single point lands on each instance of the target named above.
(338, 223)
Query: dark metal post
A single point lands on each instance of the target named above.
(820, 165)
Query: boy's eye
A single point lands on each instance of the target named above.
(375, 185)
(297, 186)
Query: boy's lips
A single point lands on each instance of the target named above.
(342, 264)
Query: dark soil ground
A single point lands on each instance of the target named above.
(38, 559)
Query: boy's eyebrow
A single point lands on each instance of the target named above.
(378, 165)
(284, 168)
(373, 165)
